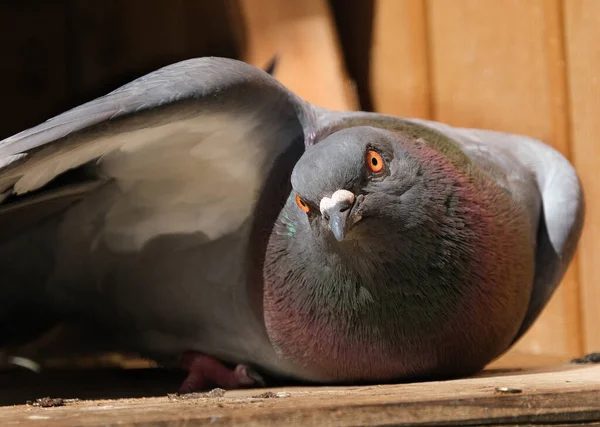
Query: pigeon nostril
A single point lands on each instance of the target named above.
(326, 216)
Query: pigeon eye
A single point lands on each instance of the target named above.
(302, 204)
(374, 161)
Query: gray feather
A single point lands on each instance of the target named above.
(181, 156)
(537, 175)
(139, 209)
(562, 201)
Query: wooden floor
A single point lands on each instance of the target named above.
(566, 394)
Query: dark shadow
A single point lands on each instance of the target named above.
(354, 21)
(59, 54)
(87, 384)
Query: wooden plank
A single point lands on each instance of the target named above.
(399, 69)
(303, 35)
(91, 381)
(566, 394)
(33, 68)
(583, 54)
(500, 65)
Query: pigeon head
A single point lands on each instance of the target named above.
(348, 188)
(371, 259)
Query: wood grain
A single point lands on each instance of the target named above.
(567, 394)
(500, 65)
(583, 54)
(303, 35)
(399, 68)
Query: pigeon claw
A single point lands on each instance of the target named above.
(205, 372)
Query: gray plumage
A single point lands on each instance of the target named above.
(158, 214)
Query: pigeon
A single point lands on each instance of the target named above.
(205, 216)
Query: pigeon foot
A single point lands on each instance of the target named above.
(205, 372)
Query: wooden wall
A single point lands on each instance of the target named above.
(523, 66)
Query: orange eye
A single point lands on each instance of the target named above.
(374, 161)
(302, 204)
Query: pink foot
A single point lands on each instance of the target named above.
(206, 371)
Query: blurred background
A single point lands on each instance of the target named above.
(522, 66)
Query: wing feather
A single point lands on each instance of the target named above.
(201, 132)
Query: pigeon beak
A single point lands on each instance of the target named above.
(335, 209)
(337, 223)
